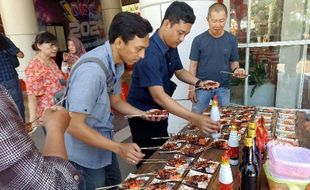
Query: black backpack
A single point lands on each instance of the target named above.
(61, 95)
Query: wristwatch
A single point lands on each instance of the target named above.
(197, 83)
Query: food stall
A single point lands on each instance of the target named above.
(190, 160)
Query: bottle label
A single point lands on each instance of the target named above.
(234, 153)
(226, 186)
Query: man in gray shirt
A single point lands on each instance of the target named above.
(89, 136)
(213, 51)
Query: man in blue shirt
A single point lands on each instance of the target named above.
(8, 75)
(151, 87)
(89, 136)
(214, 51)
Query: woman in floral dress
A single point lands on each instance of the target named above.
(43, 75)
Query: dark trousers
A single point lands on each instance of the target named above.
(95, 178)
(142, 131)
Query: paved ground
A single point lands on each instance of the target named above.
(122, 134)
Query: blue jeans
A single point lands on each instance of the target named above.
(15, 91)
(204, 97)
(95, 178)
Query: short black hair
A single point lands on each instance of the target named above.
(128, 25)
(217, 7)
(43, 37)
(178, 11)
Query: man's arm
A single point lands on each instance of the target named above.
(123, 107)
(56, 121)
(193, 71)
(186, 76)
(80, 130)
(164, 100)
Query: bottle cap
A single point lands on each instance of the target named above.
(248, 141)
(225, 174)
(233, 127)
(252, 125)
(214, 101)
(225, 158)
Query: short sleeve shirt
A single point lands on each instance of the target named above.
(43, 82)
(214, 55)
(88, 94)
(156, 69)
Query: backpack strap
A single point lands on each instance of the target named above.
(109, 77)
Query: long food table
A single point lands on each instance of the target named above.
(215, 154)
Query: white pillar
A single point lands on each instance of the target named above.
(109, 9)
(20, 25)
(154, 11)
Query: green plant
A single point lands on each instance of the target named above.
(258, 75)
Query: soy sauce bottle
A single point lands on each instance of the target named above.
(248, 172)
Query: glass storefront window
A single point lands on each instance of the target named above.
(263, 74)
(237, 85)
(305, 104)
(272, 20)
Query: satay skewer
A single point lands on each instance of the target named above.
(157, 138)
(149, 148)
(233, 74)
(142, 115)
(28, 125)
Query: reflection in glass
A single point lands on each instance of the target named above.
(305, 104)
(290, 69)
(271, 20)
(237, 85)
(238, 19)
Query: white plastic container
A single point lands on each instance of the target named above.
(293, 162)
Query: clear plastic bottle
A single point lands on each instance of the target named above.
(215, 116)
(233, 142)
(225, 174)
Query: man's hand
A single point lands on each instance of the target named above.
(209, 85)
(206, 124)
(156, 115)
(130, 152)
(307, 125)
(239, 73)
(56, 118)
(192, 96)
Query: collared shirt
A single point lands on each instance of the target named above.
(156, 69)
(214, 55)
(7, 71)
(21, 165)
(88, 94)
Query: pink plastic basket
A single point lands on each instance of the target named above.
(293, 162)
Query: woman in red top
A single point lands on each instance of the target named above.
(43, 75)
